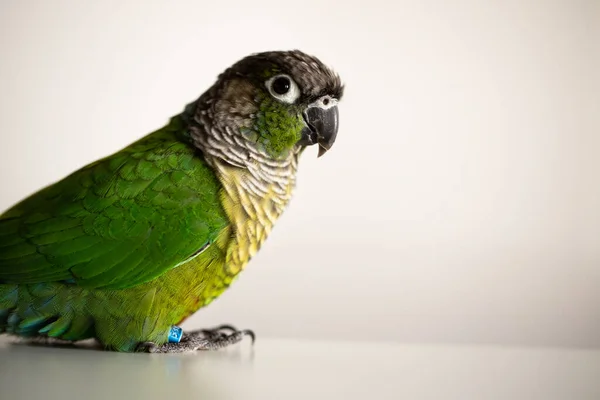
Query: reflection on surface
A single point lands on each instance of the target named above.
(288, 369)
(86, 369)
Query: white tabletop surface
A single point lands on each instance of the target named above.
(288, 369)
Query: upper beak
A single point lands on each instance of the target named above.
(321, 126)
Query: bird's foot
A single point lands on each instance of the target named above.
(201, 339)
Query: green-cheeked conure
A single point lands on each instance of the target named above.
(126, 248)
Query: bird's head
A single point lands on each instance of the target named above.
(277, 101)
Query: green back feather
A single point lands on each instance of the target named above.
(119, 222)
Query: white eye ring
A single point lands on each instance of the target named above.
(289, 96)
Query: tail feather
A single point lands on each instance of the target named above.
(30, 327)
(41, 310)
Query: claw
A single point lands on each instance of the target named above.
(250, 333)
(220, 328)
(215, 333)
(226, 327)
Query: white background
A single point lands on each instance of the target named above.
(459, 204)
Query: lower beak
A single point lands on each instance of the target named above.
(321, 127)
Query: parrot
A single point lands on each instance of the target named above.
(126, 248)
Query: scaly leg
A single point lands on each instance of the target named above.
(202, 339)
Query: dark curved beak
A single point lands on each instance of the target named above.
(321, 127)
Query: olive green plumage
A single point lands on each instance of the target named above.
(277, 132)
(134, 243)
(85, 244)
(105, 225)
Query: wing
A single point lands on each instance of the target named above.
(118, 222)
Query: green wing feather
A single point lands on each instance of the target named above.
(118, 222)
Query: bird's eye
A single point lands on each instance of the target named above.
(283, 88)
(281, 85)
